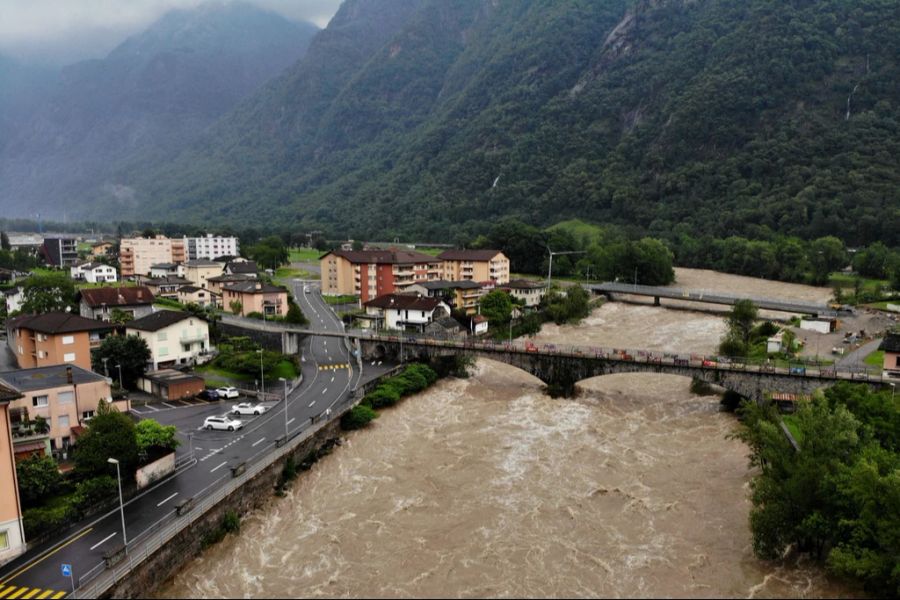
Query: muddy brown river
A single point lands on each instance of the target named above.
(487, 487)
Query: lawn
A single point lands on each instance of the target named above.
(342, 299)
(216, 376)
(305, 254)
(876, 359)
(792, 427)
(291, 273)
(846, 281)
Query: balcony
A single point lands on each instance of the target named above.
(188, 337)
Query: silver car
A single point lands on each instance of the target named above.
(223, 423)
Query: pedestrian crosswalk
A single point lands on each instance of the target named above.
(15, 592)
(334, 367)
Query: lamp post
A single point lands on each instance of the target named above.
(191, 442)
(262, 375)
(285, 408)
(105, 368)
(121, 385)
(114, 461)
(893, 389)
(552, 254)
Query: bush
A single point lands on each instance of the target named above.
(382, 396)
(92, 492)
(47, 519)
(358, 417)
(231, 522)
(38, 478)
(255, 315)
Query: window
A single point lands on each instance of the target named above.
(39, 401)
(69, 357)
(163, 351)
(63, 421)
(88, 414)
(65, 397)
(4, 539)
(162, 336)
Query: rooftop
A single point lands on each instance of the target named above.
(450, 285)
(404, 302)
(891, 343)
(166, 266)
(117, 296)
(42, 378)
(478, 255)
(167, 280)
(171, 375)
(384, 257)
(91, 265)
(254, 287)
(160, 320)
(202, 263)
(57, 322)
(227, 277)
(242, 267)
(524, 284)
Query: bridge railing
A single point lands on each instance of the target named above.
(809, 367)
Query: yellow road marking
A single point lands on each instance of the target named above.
(7, 590)
(44, 595)
(31, 593)
(59, 595)
(18, 593)
(45, 557)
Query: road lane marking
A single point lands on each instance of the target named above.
(219, 467)
(18, 593)
(258, 442)
(59, 595)
(311, 404)
(30, 594)
(167, 404)
(332, 379)
(44, 595)
(6, 591)
(46, 556)
(104, 540)
(292, 420)
(323, 391)
(167, 499)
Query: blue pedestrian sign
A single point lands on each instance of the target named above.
(66, 570)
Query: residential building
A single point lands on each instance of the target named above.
(529, 292)
(216, 284)
(166, 287)
(93, 272)
(54, 339)
(29, 242)
(891, 347)
(167, 270)
(199, 271)
(170, 384)
(241, 267)
(12, 531)
(211, 247)
(370, 274)
(191, 294)
(256, 297)
(98, 303)
(475, 265)
(60, 251)
(102, 249)
(403, 311)
(65, 396)
(14, 298)
(9, 276)
(137, 255)
(174, 338)
(459, 295)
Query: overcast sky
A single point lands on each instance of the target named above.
(64, 31)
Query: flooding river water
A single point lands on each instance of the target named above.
(487, 487)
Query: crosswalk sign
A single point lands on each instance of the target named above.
(66, 570)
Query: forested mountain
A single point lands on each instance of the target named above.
(434, 117)
(143, 102)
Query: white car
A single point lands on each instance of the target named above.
(246, 408)
(225, 423)
(228, 392)
(306, 289)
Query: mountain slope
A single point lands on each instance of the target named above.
(147, 99)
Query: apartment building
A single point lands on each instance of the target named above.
(93, 272)
(198, 272)
(210, 247)
(166, 287)
(191, 294)
(98, 303)
(255, 296)
(373, 273)
(475, 265)
(54, 339)
(138, 255)
(174, 338)
(460, 295)
(60, 252)
(406, 312)
(12, 533)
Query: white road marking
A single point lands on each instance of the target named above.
(167, 499)
(323, 391)
(292, 420)
(104, 540)
(332, 378)
(151, 407)
(167, 404)
(312, 403)
(257, 442)
(219, 467)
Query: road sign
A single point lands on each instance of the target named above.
(66, 570)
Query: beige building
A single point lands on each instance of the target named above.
(198, 272)
(137, 255)
(459, 295)
(475, 265)
(370, 274)
(255, 296)
(529, 292)
(12, 533)
(65, 396)
(217, 284)
(174, 338)
(54, 339)
(191, 294)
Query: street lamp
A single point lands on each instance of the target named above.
(105, 368)
(552, 254)
(893, 389)
(285, 408)
(191, 442)
(114, 461)
(121, 385)
(262, 375)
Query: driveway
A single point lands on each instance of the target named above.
(852, 359)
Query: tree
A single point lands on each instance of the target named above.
(38, 478)
(741, 318)
(153, 437)
(130, 351)
(358, 245)
(826, 254)
(358, 417)
(295, 314)
(48, 292)
(236, 307)
(4, 241)
(496, 307)
(120, 317)
(269, 252)
(109, 435)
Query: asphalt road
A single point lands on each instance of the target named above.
(329, 376)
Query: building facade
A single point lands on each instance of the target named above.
(255, 297)
(12, 532)
(460, 295)
(138, 255)
(54, 339)
(198, 272)
(475, 265)
(191, 294)
(98, 303)
(211, 247)
(373, 273)
(60, 251)
(94, 272)
(174, 338)
(529, 292)
(405, 312)
(891, 347)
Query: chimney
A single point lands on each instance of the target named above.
(258, 286)
(140, 294)
(69, 375)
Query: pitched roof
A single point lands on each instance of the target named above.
(202, 263)
(117, 296)
(56, 322)
(243, 267)
(479, 255)
(190, 289)
(523, 284)
(167, 280)
(227, 277)
(404, 302)
(384, 257)
(166, 266)
(159, 320)
(254, 287)
(91, 265)
(891, 343)
(7, 394)
(42, 378)
(450, 285)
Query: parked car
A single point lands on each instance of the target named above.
(211, 395)
(228, 392)
(305, 289)
(224, 422)
(247, 408)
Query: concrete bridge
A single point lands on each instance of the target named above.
(610, 288)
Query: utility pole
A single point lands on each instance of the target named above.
(552, 254)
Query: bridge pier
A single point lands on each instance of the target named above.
(656, 301)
